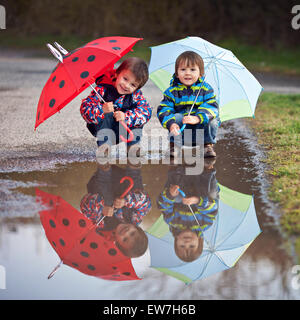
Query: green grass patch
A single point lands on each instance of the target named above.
(277, 124)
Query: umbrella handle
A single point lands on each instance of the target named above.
(54, 270)
(130, 186)
(131, 136)
(182, 128)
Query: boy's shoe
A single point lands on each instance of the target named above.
(209, 151)
(209, 163)
(103, 153)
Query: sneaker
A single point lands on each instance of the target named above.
(209, 151)
(209, 163)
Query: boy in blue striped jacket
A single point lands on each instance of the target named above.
(191, 101)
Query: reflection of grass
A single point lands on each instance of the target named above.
(253, 57)
(277, 123)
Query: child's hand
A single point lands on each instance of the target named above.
(174, 190)
(175, 129)
(119, 116)
(190, 200)
(108, 107)
(190, 120)
(119, 203)
(108, 211)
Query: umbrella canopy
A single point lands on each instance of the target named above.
(78, 70)
(80, 244)
(235, 87)
(234, 229)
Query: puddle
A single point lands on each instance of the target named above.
(234, 248)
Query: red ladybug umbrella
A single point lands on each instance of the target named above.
(80, 244)
(77, 70)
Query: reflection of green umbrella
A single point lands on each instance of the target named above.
(225, 241)
(236, 89)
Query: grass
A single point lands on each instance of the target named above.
(277, 124)
(255, 58)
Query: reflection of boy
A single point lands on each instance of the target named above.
(124, 102)
(188, 88)
(122, 215)
(190, 215)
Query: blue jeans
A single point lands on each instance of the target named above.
(210, 131)
(109, 131)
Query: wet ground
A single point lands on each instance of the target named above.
(47, 174)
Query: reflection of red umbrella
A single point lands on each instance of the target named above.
(78, 70)
(79, 244)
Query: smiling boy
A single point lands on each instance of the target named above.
(187, 89)
(124, 102)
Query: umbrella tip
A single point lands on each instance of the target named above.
(55, 52)
(54, 270)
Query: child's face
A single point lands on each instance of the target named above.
(126, 235)
(188, 74)
(187, 243)
(126, 82)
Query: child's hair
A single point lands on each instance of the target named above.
(190, 58)
(138, 67)
(140, 247)
(188, 256)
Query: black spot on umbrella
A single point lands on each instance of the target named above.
(51, 202)
(82, 223)
(52, 223)
(126, 273)
(38, 116)
(62, 83)
(91, 267)
(52, 103)
(75, 59)
(114, 268)
(82, 240)
(62, 242)
(93, 245)
(84, 254)
(75, 264)
(94, 44)
(66, 222)
(91, 58)
(116, 48)
(54, 243)
(53, 79)
(112, 252)
(112, 40)
(84, 74)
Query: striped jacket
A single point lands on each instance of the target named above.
(179, 217)
(179, 98)
(136, 108)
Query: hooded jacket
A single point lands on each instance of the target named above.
(179, 98)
